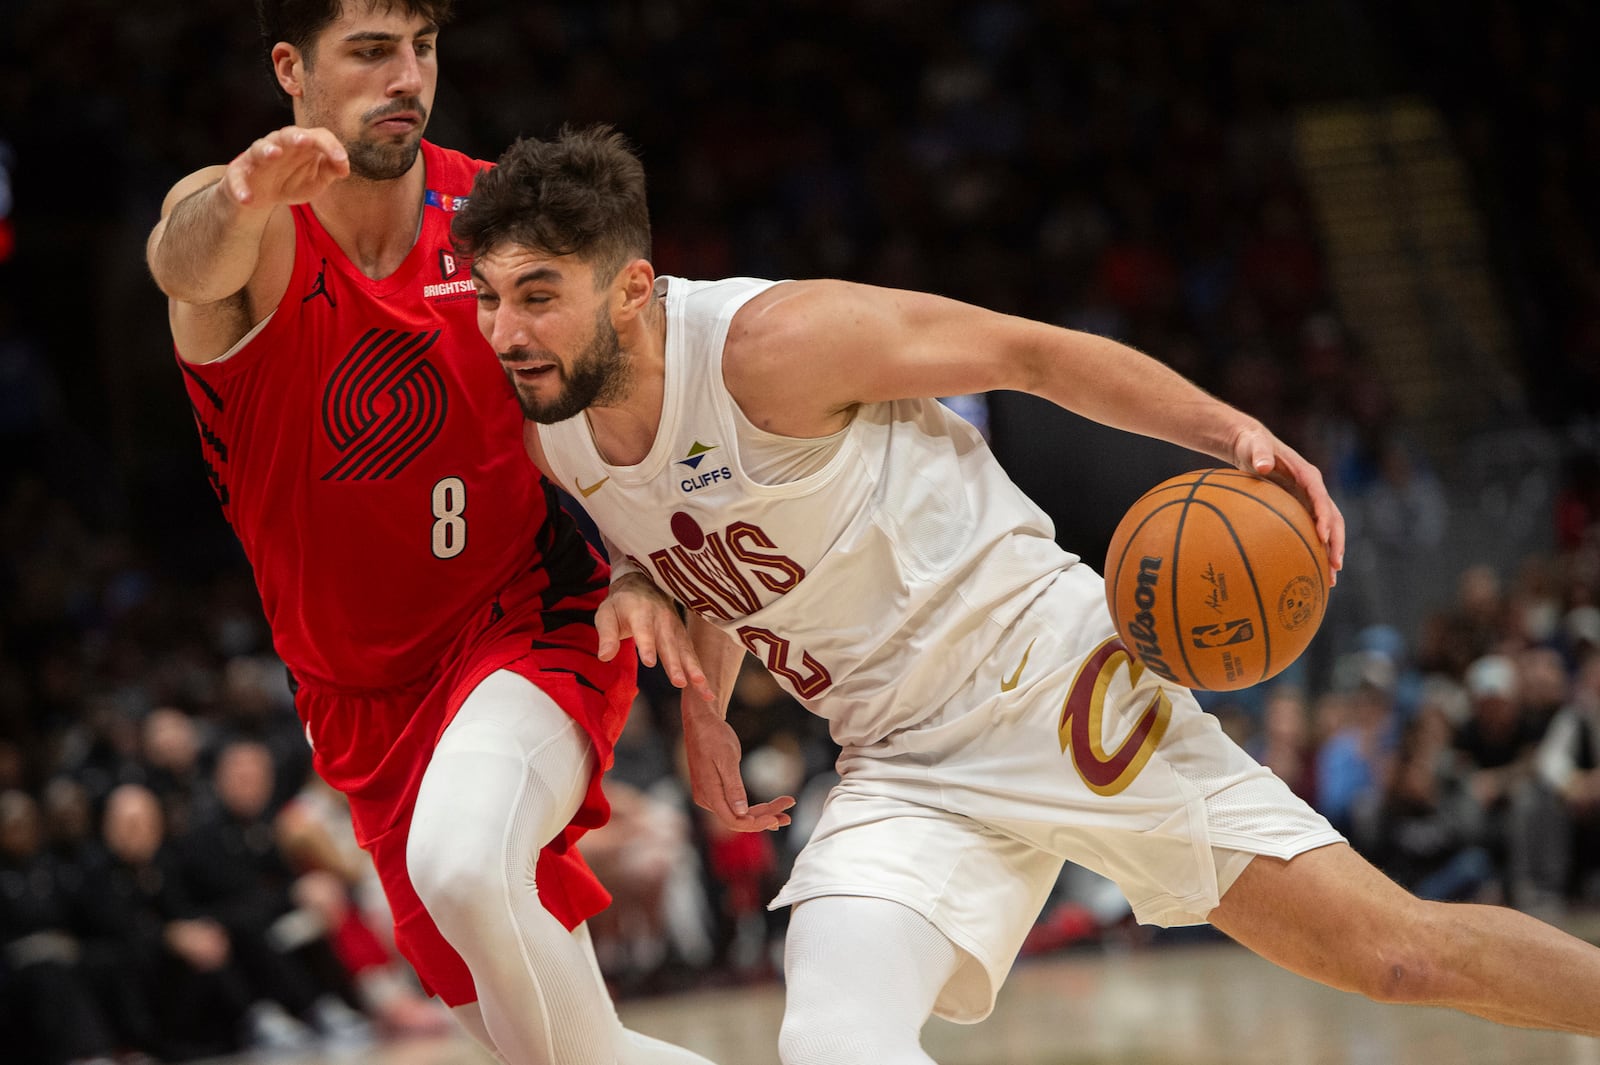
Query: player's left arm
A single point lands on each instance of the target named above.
(803, 355)
(710, 744)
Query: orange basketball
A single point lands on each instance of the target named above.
(1216, 579)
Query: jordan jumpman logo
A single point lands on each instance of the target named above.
(321, 287)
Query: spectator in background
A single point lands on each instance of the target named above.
(337, 883)
(1581, 632)
(47, 1001)
(1424, 827)
(1564, 830)
(1402, 517)
(256, 703)
(166, 972)
(103, 752)
(1495, 745)
(236, 872)
(170, 743)
(68, 820)
(1479, 612)
(1353, 760)
(1543, 684)
(1471, 627)
(1534, 602)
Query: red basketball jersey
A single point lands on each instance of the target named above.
(366, 448)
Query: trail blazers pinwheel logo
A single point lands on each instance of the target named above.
(384, 405)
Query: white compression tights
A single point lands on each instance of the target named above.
(507, 776)
(863, 975)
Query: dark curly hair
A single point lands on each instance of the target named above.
(299, 21)
(581, 194)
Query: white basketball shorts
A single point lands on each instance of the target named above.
(1060, 748)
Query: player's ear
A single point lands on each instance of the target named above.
(288, 64)
(635, 283)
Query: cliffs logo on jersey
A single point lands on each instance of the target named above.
(451, 285)
(383, 405)
(702, 478)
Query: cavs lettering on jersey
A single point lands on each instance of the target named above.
(872, 571)
(363, 443)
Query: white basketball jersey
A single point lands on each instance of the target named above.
(872, 581)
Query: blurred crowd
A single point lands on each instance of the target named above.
(1119, 167)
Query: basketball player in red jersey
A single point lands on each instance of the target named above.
(435, 606)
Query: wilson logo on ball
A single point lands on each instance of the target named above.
(1142, 630)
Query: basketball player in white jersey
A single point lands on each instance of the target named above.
(770, 455)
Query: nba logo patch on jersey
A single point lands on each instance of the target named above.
(444, 201)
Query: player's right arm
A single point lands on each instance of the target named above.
(223, 250)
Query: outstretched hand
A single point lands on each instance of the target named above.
(1256, 450)
(713, 752)
(636, 608)
(287, 166)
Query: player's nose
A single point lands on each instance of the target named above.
(506, 333)
(406, 79)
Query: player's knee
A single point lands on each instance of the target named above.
(451, 876)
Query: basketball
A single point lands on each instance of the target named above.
(1216, 579)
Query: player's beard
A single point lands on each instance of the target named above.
(375, 157)
(599, 376)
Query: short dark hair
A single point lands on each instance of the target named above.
(581, 194)
(299, 21)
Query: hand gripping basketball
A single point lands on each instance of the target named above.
(1216, 579)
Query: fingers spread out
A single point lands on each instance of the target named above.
(770, 816)
(289, 165)
(762, 817)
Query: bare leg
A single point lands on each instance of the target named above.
(1330, 916)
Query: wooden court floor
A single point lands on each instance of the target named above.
(1206, 1004)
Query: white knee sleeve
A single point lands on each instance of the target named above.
(863, 975)
(507, 776)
